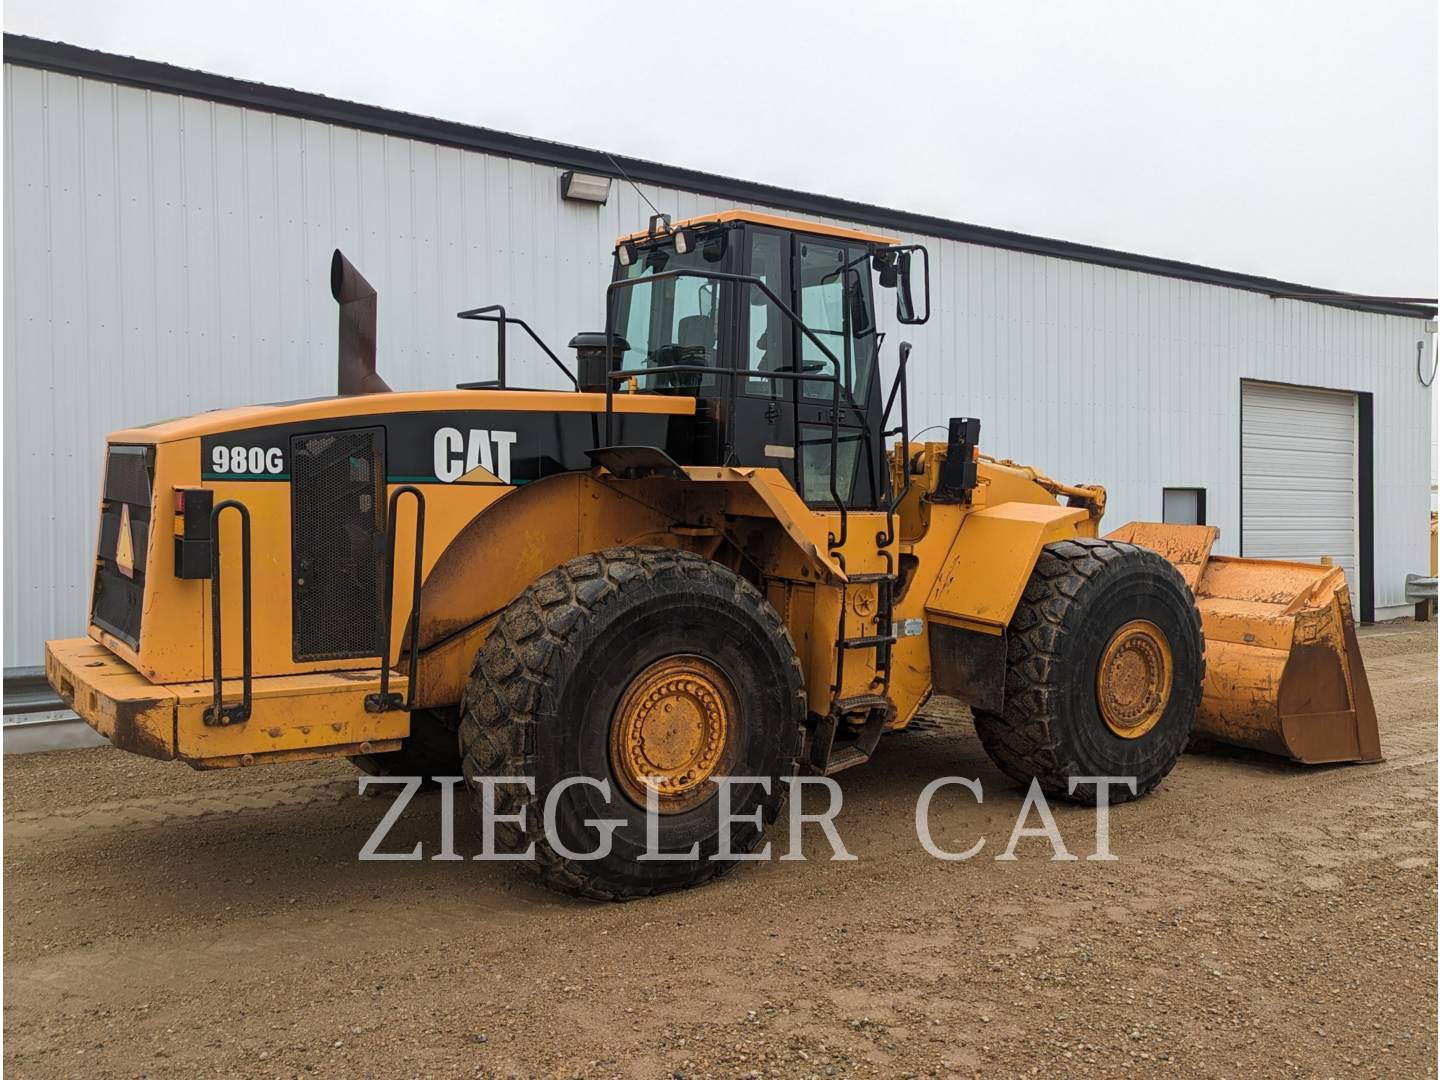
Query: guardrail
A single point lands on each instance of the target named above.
(218, 714)
(496, 313)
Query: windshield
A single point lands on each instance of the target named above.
(676, 321)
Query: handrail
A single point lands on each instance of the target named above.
(385, 701)
(884, 540)
(612, 375)
(496, 313)
(218, 714)
(901, 386)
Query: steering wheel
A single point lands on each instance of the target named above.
(671, 354)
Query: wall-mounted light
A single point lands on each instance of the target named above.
(584, 187)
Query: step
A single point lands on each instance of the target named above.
(866, 642)
(845, 758)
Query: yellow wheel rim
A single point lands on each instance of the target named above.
(1133, 683)
(672, 731)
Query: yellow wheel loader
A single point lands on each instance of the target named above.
(719, 555)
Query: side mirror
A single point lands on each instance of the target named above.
(904, 301)
(905, 311)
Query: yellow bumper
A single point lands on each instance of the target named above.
(294, 717)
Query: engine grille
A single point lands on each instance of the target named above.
(338, 541)
(125, 500)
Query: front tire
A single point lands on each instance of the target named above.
(1103, 673)
(622, 664)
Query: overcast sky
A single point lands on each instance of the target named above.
(1296, 140)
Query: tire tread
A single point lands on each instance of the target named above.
(1022, 740)
(530, 644)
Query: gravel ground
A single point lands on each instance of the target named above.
(1262, 919)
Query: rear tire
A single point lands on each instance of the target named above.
(613, 661)
(1103, 673)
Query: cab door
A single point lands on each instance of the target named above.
(835, 302)
(763, 432)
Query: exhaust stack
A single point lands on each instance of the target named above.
(358, 302)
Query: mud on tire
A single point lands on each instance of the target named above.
(545, 688)
(1080, 594)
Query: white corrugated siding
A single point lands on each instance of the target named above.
(165, 255)
(1298, 475)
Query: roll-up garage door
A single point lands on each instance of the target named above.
(1297, 475)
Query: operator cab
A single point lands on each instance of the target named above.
(769, 323)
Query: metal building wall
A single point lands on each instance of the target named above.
(166, 255)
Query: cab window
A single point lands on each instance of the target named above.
(815, 452)
(676, 321)
(835, 303)
(767, 331)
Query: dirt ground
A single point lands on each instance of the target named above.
(1262, 919)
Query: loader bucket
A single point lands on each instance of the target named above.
(1283, 671)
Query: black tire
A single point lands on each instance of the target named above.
(544, 692)
(1080, 594)
(432, 749)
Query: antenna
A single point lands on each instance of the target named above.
(626, 177)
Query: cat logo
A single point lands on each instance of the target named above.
(125, 544)
(479, 457)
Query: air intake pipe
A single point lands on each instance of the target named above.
(358, 302)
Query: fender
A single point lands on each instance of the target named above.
(976, 594)
(991, 560)
(535, 528)
(520, 536)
